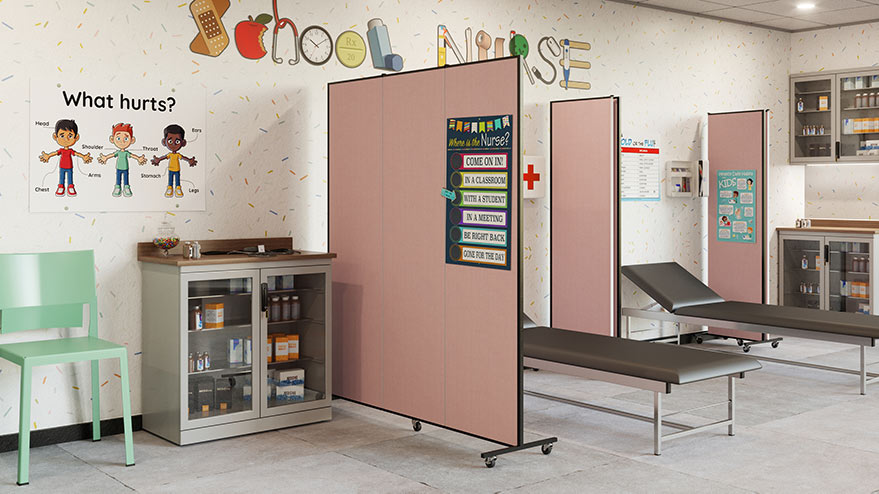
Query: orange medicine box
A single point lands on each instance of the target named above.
(293, 346)
(213, 316)
(281, 348)
(269, 348)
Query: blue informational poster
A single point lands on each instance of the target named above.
(737, 206)
(478, 181)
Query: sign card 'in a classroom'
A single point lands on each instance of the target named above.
(478, 173)
(736, 206)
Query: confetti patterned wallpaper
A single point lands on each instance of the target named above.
(266, 132)
(838, 191)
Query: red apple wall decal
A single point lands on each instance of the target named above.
(248, 36)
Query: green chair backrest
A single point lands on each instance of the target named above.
(47, 290)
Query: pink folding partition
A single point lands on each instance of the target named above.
(584, 161)
(737, 270)
(355, 151)
(411, 334)
(482, 306)
(413, 244)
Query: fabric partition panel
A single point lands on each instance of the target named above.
(483, 305)
(355, 151)
(584, 229)
(736, 270)
(413, 335)
(414, 244)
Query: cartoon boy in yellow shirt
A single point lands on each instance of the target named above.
(174, 140)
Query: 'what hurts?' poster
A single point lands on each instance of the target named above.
(112, 147)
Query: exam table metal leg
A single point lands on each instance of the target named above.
(657, 423)
(732, 405)
(863, 370)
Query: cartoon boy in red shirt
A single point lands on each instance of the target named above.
(66, 134)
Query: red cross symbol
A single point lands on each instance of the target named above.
(530, 177)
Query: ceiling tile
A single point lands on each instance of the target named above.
(743, 15)
(695, 6)
(789, 7)
(844, 16)
(792, 24)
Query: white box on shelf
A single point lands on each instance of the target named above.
(236, 351)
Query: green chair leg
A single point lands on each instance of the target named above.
(96, 401)
(24, 425)
(126, 409)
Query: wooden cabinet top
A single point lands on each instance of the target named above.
(147, 252)
(838, 226)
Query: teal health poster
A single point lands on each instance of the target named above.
(478, 178)
(736, 206)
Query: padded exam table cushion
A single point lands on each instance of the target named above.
(681, 293)
(672, 286)
(845, 323)
(654, 361)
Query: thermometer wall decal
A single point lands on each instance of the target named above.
(567, 64)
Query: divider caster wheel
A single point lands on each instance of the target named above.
(416, 425)
(698, 340)
(746, 348)
(739, 342)
(774, 344)
(546, 448)
(490, 461)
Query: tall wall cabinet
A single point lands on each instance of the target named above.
(835, 117)
(206, 379)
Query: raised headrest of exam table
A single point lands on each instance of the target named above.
(147, 252)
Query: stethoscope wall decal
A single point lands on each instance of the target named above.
(555, 49)
(281, 24)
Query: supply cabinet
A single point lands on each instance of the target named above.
(827, 271)
(235, 348)
(835, 117)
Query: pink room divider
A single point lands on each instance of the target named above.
(413, 335)
(584, 228)
(737, 269)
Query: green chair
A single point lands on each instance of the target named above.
(52, 290)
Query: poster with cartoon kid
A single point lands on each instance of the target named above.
(121, 136)
(174, 140)
(66, 135)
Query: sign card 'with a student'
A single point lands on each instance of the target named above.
(116, 147)
(736, 206)
(478, 173)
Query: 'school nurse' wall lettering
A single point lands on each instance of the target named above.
(478, 159)
(116, 148)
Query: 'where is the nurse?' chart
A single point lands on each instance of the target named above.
(116, 147)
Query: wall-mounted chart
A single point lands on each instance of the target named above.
(639, 170)
(102, 147)
(478, 158)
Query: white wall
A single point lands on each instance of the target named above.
(267, 122)
(838, 191)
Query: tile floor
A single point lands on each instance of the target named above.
(800, 430)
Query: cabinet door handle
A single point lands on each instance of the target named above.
(837, 149)
(826, 254)
(264, 297)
